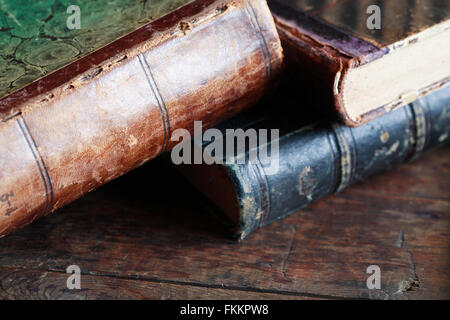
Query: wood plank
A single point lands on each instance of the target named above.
(150, 225)
(39, 285)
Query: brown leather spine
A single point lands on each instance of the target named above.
(320, 64)
(112, 111)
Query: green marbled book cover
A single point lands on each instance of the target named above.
(35, 38)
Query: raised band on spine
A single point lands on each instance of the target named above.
(161, 104)
(39, 163)
(262, 40)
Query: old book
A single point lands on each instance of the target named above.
(85, 106)
(367, 57)
(314, 160)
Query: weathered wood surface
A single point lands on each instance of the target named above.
(147, 235)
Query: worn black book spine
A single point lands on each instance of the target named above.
(324, 158)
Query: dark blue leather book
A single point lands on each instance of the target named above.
(316, 159)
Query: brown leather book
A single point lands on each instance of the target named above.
(367, 57)
(112, 110)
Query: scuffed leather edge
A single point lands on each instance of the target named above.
(249, 196)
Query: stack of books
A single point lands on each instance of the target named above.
(264, 107)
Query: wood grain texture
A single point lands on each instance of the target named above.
(132, 240)
(39, 285)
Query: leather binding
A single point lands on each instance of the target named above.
(111, 111)
(319, 159)
(326, 40)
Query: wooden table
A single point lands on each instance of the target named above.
(147, 235)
